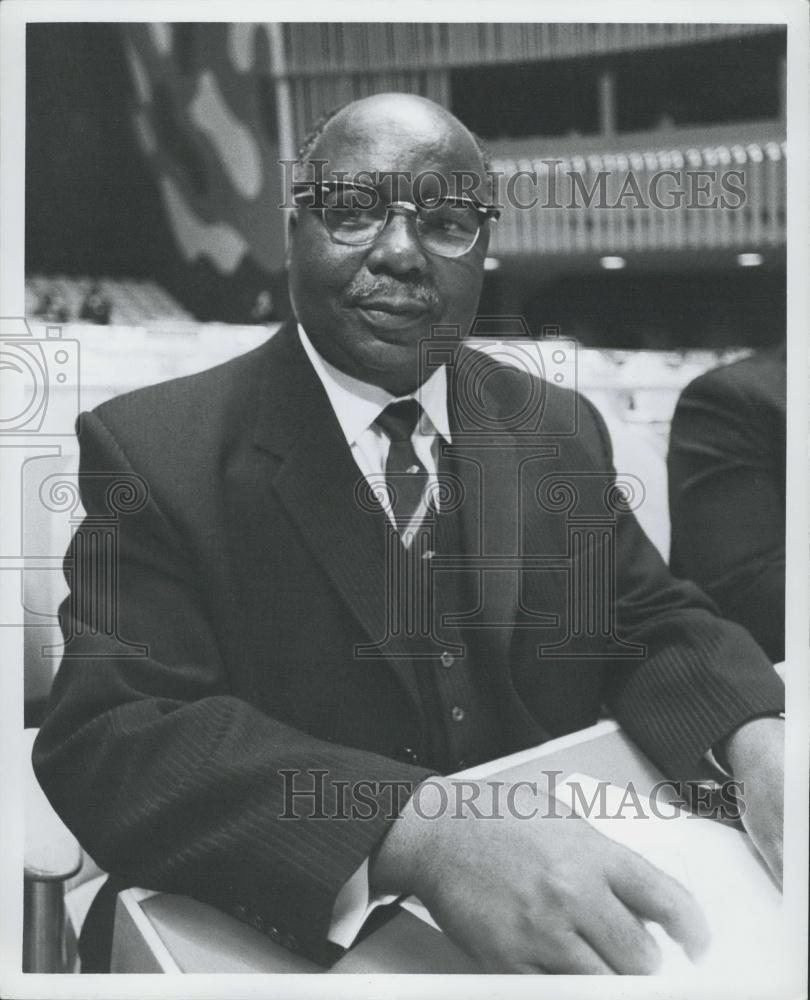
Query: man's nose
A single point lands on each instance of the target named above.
(397, 248)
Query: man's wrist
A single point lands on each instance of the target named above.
(404, 851)
(738, 751)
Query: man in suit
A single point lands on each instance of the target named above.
(726, 467)
(306, 675)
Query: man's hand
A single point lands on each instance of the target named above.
(756, 753)
(541, 894)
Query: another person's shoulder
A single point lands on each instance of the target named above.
(761, 376)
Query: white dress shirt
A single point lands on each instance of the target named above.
(357, 405)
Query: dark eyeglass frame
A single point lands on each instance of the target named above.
(306, 195)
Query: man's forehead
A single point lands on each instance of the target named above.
(404, 117)
(395, 137)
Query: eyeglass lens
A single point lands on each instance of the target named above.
(356, 217)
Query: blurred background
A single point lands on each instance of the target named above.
(155, 241)
(152, 152)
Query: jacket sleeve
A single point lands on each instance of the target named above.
(728, 517)
(695, 676)
(169, 780)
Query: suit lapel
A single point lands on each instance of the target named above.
(489, 462)
(321, 487)
(317, 482)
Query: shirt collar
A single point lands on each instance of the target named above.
(357, 404)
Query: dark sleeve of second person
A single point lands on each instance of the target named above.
(726, 469)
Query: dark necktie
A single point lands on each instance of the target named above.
(405, 475)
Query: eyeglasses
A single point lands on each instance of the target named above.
(355, 215)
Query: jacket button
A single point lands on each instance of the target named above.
(447, 659)
(457, 714)
(409, 755)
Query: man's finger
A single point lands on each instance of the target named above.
(768, 842)
(653, 895)
(574, 956)
(622, 940)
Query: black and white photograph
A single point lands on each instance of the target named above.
(405, 541)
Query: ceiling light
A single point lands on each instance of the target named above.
(612, 263)
(491, 263)
(749, 259)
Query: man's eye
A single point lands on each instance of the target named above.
(451, 219)
(348, 199)
(349, 218)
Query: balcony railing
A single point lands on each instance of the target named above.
(317, 48)
(689, 198)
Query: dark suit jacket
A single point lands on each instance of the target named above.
(251, 572)
(727, 492)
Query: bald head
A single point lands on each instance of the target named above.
(404, 119)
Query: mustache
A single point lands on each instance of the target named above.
(368, 286)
